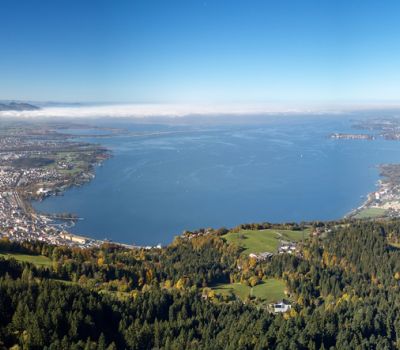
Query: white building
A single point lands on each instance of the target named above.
(280, 307)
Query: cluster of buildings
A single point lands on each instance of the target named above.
(18, 221)
(284, 248)
(261, 256)
(16, 178)
(24, 143)
(386, 199)
(352, 136)
(8, 178)
(18, 224)
(38, 176)
(287, 247)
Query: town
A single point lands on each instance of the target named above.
(352, 136)
(385, 201)
(36, 162)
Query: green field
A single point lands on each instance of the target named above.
(258, 241)
(370, 213)
(38, 260)
(269, 290)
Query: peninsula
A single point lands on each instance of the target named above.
(352, 136)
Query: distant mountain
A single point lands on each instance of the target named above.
(17, 106)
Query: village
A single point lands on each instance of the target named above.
(285, 247)
(352, 136)
(385, 201)
(19, 225)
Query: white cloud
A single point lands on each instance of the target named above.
(181, 110)
(150, 110)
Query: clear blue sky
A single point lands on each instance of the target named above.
(199, 51)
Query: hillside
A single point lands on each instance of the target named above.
(201, 292)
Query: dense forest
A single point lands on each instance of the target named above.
(343, 286)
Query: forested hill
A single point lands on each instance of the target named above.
(17, 106)
(342, 284)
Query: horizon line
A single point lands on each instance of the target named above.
(146, 110)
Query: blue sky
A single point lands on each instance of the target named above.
(212, 51)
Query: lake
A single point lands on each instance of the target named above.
(183, 177)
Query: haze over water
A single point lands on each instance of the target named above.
(286, 169)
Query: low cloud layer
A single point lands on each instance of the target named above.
(170, 110)
(147, 110)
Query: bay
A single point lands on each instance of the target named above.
(167, 178)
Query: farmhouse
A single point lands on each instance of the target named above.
(287, 247)
(280, 307)
(261, 256)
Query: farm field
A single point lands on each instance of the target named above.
(38, 260)
(258, 241)
(370, 213)
(269, 291)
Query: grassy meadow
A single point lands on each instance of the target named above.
(258, 241)
(38, 260)
(370, 213)
(269, 290)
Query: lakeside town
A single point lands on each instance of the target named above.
(38, 161)
(342, 136)
(388, 128)
(385, 201)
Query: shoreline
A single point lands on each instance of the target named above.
(385, 200)
(50, 218)
(36, 162)
(77, 237)
(65, 234)
(81, 174)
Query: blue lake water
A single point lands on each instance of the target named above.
(287, 169)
